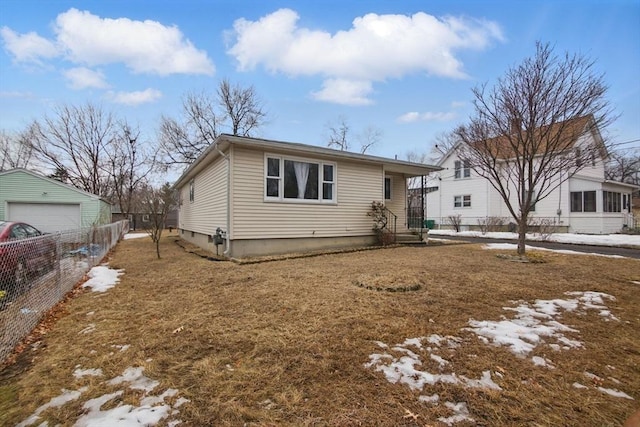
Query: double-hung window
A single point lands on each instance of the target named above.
(299, 180)
(462, 201)
(462, 169)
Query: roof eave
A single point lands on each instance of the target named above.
(223, 141)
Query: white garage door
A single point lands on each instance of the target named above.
(47, 217)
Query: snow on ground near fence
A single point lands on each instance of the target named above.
(576, 239)
(153, 407)
(135, 236)
(421, 362)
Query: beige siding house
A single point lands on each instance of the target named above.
(247, 197)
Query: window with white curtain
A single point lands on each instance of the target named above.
(299, 180)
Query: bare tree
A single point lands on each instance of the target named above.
(370, 136)
(181, 142)
(15, 149)
(338, 134)
(241, 106)
(204, 117)
(73, 142)
(158, 202)
(128, 163)
(624, 167)
(524, 135)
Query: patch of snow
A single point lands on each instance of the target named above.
(65, 397)
(513, 247)
(541, 361)
(592, 377)
(79, 373)
(578, 239)
(460, 413)
(134, 377)
(102, 278)
(90, 328)
(615, 393)
(416, 342)
(578, 385)
(124, 415)
(403, 369)
(534, 324)
(135, 236)
(442, 362)
(433, 399)
(122, 348)
(154, 400)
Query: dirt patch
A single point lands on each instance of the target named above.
(290, 342)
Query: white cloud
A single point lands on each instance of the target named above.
(375, 48)
(429, 116)
(143, 46)
(135, 98)
(86, 39)
(82, 78)
(28, 47)
(347, 92)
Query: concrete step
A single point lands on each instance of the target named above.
(409, 239)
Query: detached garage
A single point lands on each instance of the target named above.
(47, 204)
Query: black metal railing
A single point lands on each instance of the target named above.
(391, 220)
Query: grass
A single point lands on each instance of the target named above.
(285, 342)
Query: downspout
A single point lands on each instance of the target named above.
(228, 233)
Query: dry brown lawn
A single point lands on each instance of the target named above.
(286, 342)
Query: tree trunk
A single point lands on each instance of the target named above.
(522, 234)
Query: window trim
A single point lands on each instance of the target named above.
(321, 180)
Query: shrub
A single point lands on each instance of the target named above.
(455, 221)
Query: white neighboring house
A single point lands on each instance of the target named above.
(584, 203)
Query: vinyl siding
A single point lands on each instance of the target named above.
(208, 210)
(357, 185)
(398, 202)
(23, 187)
(450, 187)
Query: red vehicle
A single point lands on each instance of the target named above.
(24, 252)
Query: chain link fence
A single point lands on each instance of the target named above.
(37, 272)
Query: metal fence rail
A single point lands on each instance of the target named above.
(36, 273)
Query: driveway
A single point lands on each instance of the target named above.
(604, 250)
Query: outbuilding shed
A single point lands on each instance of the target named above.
(48, 204)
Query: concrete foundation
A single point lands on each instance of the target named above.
(266, 247)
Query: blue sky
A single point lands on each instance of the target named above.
(405, 68)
